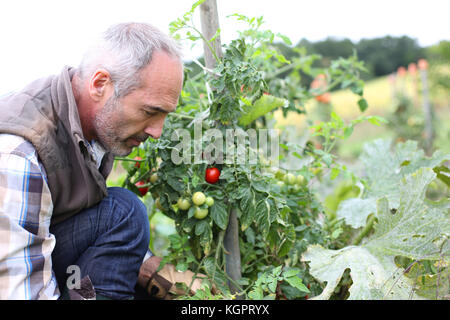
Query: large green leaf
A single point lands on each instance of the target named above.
(372, 277)
(263, 105)
(355, 211)
(414, 227)
(417, 230)
(385, 169)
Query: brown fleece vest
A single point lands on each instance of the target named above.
(45, 113)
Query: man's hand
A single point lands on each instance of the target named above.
(162, 284)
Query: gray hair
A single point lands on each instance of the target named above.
(123, 50)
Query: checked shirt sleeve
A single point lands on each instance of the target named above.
(26, 207)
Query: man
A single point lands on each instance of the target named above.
(58, 139)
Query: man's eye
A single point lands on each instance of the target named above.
(150, 114)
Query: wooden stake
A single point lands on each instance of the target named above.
(209, 18)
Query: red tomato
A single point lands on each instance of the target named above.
(212, 175)
(137, 164)
(144, 190)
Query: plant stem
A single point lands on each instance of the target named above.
(364, 231)
(283, 69)
(218, 249)
(182, 116)
(128, 159)
(142, 177)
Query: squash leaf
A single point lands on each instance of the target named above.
(385, 170)
(417, 230)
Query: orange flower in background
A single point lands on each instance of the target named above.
(320, 82)
(324, 98)
(412, 68)
(423, 64)
(401, 71)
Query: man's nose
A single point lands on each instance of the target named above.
(154, 130)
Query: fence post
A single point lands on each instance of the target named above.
(427, 108)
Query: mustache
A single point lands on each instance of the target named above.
(141, 137)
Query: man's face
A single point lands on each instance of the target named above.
(124, 123)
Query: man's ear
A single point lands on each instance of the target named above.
(100, 84)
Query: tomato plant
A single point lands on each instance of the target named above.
(278, 213)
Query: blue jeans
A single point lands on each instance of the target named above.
(107, 242)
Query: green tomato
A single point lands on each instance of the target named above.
(300, 180)
(209, 201)
(200, 213)
(289, 179)
(154, 178)
(198, 198)
(297, 188)
(183, 204)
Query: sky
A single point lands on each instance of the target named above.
(39, 37)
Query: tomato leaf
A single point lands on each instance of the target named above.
(191, 212)
(261, 106)
(201, 227)
(272, 285)
(296, 282)
(262, 215)
(363, 105)
(219, 215)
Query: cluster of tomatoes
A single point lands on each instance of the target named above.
(143, 185)
(297, 182)
(198, 199)
(212, 175)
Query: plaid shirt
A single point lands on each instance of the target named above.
(26, 243)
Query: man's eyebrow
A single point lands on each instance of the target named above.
(156, 108)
